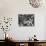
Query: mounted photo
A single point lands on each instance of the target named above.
(26, 19)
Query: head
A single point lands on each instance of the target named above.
(34, 35)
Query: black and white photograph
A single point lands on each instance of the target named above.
(26, 20)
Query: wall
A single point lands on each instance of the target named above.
(11, 8)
